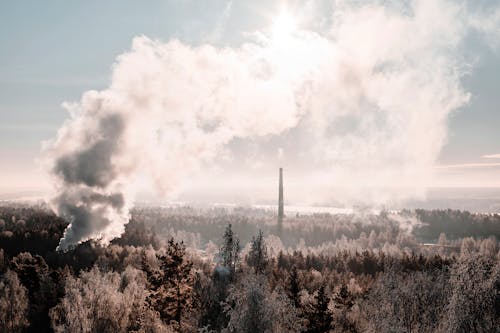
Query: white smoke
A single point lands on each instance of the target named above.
(391, 75)
(169, 109)
(393, 80)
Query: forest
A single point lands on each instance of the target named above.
(186, 269)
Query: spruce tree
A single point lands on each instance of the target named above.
(294, 287)
(257, 257)
(214, 317)
(320, 317)
(229, 251)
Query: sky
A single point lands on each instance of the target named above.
(52, 52)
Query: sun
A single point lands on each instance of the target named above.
(284, 25)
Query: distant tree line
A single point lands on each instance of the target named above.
(456, 224)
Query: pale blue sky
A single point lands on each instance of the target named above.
(52, 51)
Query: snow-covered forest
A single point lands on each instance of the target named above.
(182, 269)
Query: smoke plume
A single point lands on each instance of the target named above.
(374, 91)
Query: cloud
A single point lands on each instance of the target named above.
(372, 93)
(491, 156)
(468, 165)
(487, 22)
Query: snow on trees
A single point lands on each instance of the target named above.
(257, 257)
(13, 303)
(104, 302)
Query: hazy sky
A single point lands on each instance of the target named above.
(53, 51)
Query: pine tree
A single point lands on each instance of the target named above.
(257, 257)
(171, 284)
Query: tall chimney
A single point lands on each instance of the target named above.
(280, 202)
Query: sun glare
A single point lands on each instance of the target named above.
(283, 26)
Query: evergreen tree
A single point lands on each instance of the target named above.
(294, 287)
(33, 273)
(214, 317)
(170, 285)
(257, 257)
(320, 316)
(343, 301)
(281, 261)
(212, 296)
(229, 251)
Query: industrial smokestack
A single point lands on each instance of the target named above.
(280, 202)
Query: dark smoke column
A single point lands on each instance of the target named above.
(280, 202)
